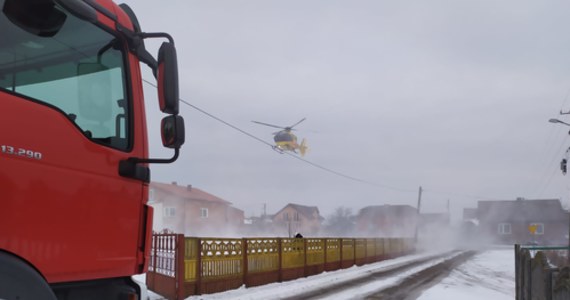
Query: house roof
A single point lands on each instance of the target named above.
(387, 210)
(521, 210)
(307, 211)
(236, 209)
(187, 192)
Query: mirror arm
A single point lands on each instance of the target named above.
(130, 167)
(137, 160)
(136, 45)
(165, 35)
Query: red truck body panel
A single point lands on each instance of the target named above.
(70, 214)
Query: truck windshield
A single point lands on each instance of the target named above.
(79, 70)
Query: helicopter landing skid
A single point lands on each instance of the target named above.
(277, 149)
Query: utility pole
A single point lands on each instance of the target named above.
(418, 214)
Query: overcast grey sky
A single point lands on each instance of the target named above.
(454, 96)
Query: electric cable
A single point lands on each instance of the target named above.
(405, 190)
(290, 154)
(542, 185)
(350, 177)
(458, 194)
(545, 179)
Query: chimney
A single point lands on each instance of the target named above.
(189, 187)
(174, 183)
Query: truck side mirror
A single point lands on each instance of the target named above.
(168, 79)
(172, 131)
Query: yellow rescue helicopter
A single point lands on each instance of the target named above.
(285, 140)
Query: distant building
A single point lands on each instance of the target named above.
(387, 221)
(259, 227)
(469, 214)
(193, 212)
(523, 221)
(297, 218)
(440, 220)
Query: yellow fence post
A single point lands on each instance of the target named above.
(280, 251)
(305, 263)
(325, 249)
(354, 252)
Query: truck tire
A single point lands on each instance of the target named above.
(19, 281)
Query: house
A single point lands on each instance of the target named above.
(523, 221)
(297, 218)
(387, 221)
(193, 212)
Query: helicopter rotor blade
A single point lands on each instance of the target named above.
(290, 127)
(270, 125)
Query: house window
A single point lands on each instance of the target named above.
(169, 212)
(286, 216)
(538, 228)
(203, 212)
(504, 228)
(151, 195)
(296, 216)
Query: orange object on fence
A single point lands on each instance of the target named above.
(181, 267)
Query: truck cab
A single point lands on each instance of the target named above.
(74, 165)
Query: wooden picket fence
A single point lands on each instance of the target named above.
(183, 266)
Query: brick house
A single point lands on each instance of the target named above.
(387, 221)
(193, 212)
(297, 218)
(523, 221)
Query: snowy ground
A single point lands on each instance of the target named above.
(488, 275)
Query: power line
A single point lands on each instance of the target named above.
(226, 123)
(458, 194)
(293, 155)
(288, 153)
(350, 177)
(314, 164)
(544, 181)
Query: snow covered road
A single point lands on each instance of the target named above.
(489, 275)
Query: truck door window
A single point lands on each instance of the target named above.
(80, 71)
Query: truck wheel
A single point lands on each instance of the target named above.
(19, 281)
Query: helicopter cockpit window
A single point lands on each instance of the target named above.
(79, 69)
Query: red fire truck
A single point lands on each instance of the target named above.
(74, 165)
